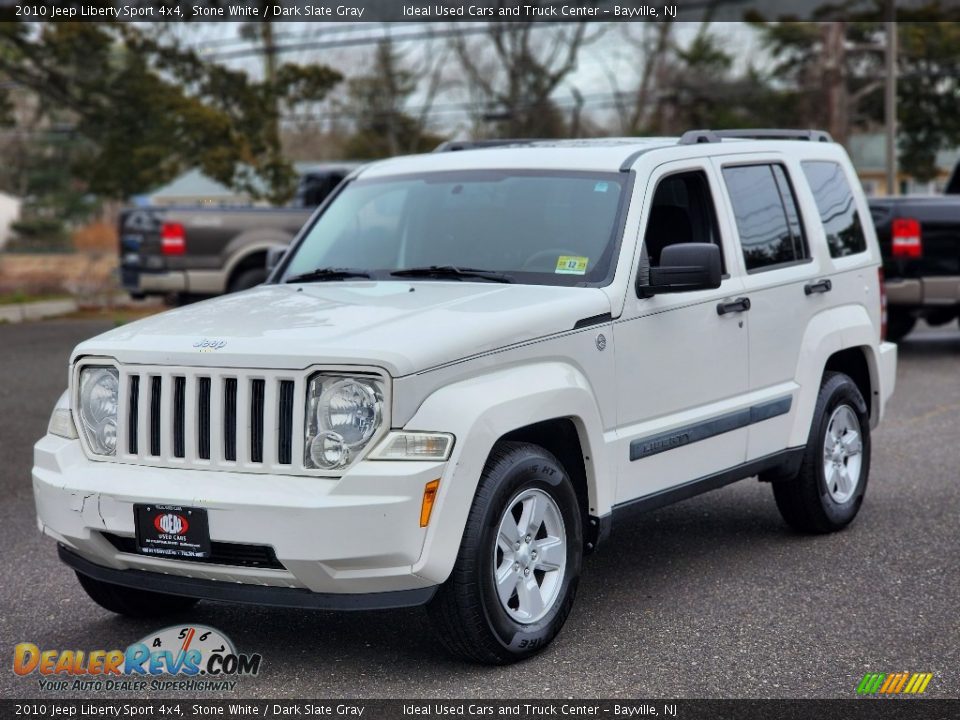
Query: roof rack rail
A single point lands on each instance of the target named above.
(456, 145)
(693, 137)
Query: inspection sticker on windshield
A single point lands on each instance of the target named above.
(571, 265)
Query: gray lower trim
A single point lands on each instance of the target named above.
(244, 593)
(785, 463)
(661, 442)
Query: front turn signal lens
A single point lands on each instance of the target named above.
(402, 445)
(429, 495)
(61, 424)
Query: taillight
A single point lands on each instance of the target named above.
(906, 238)
(883, 305)
(173, 240)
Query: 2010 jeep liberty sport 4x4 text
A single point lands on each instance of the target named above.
(467, 368)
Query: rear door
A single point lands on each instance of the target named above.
(784, 283)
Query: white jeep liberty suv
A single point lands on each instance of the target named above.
(467, 367)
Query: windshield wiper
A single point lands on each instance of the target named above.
(327, 273)
(451, 271)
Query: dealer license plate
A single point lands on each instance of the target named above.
(172, 531)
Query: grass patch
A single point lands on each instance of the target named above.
(19, 297)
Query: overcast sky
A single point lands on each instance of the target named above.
(610, 56)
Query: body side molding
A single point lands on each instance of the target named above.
(661, 442)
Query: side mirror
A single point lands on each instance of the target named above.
(274, 256)
(684, 267)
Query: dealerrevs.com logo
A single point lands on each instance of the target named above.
(899, 683)
(180, 657)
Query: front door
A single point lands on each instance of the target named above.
(681, 359)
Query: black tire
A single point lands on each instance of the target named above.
(248, 279)
(466, 612)
(805, 502)
(899, 324)
(132, 602)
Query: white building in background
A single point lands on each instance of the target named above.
(868, 153)
(9, 214)
(195, 188)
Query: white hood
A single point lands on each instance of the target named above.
(400, 326)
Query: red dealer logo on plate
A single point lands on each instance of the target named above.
(171, 524)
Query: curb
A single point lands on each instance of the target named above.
(36, 310)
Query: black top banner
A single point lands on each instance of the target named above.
(428, 709)
(461, 10)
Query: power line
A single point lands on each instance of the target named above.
(458, 31)
(607, 100)
(240, 40)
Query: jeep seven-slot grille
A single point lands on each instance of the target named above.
(285, 446)
(179, 416)
(133, 406)
(182, 417)
(155, 409)
(203, 416)
(230, 419)
(256, 421)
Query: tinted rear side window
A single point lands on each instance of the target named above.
(768, 220)
(838, 211)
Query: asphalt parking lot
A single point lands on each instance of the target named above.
(713, 597)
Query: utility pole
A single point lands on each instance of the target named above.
(890, 97)
(270, 64)
(835, 79)
(279, 184)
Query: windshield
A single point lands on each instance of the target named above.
(533, 227)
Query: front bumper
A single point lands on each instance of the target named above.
(359, 533)
(245, 593)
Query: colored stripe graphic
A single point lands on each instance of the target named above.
(902, 682)
(871, 683)
(894, 683)
(888, 683)
(926, 681)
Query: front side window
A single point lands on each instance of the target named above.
(682, 211)
(530, 227)
(768, 220)
(838, 211)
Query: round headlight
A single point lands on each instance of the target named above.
(343, 415)
(99, 386)
(327, 451)
(351, 410)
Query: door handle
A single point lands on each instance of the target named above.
(821, 286)
(741, 304)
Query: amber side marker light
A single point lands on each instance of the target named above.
(429, 495)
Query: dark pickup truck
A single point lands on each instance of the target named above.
(193, 252)
(920, 240)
